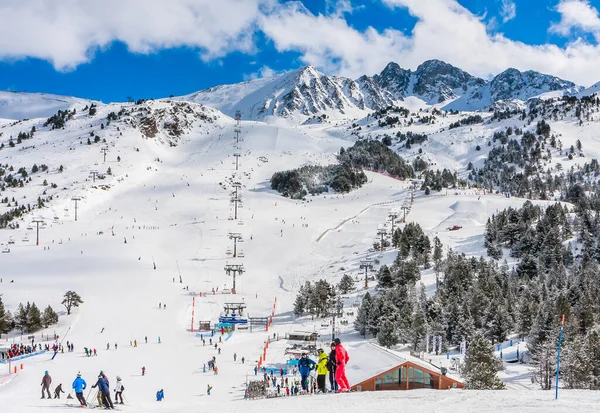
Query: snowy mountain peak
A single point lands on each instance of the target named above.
(514, 84)
(437, 81)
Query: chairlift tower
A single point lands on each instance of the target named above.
(236, 198)
(237, 160)
(94, 174)
(236, 237)
(37, 221)
(404, 208)
(366, 265)
(381, 232)
(76, 199)
(234, 270)
(393, 215)
(104, 150)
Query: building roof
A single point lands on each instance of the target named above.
(368, 359)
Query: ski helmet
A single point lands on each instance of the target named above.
(46, 372)
(118, 377)
(78, 374)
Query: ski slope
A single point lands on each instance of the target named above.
(165, 213)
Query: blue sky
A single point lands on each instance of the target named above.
(159, 61)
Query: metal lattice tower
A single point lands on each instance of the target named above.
(38, 221)
(393, 215)
(104, 150)
(236, 237)
(366, 265)
(381, 232)
(234, 270)
(236, 198)
(76, 199)
(237, 160)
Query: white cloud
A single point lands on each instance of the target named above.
(329, 43)
(263, 72)
(444, 30)
(508, 10)
(577, 15)
(67, 32)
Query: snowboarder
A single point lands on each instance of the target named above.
(341, 358)
(160, 395)
(104, 390)
(119, 388)
(305, 365)
(143, 371)
(46, 381)
(322, 370)
(79, 386)
(208, 389)
(331, 367)
(57, 391)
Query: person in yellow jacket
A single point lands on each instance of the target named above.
(322, 370)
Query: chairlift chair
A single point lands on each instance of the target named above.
(6, 250)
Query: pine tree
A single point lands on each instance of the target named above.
(21, 318)
(49, 317)
(71, 299)
(480, 367)
(4, 322)
(384, 277)
(388, 335)
(346, 284)
(575, 368)
(361, 324)
(34, 319)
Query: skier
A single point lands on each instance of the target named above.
(341, 358)
(108, 346)
(255, 370)
(119, 388)
(208, 389)
(115, 346)
(143, 371)
(322, 370)
(160, 395)
(46, 381)
(234, 356)
(79, 385)
(331, 367)
(305, 365)
(243, 360)
(146, 338)
(103, 388)
(134, 343)
(57, 391)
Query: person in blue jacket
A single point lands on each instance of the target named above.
(305, 365)
(79, 386)
(160, 395)
(102, 385)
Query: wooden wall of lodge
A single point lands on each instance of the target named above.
(439, 382)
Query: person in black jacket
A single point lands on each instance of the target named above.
(331, 367)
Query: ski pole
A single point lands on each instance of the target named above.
(88, 395)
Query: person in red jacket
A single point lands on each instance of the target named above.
(341, 359)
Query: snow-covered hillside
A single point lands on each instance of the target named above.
(154, 183)
(16, 105)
